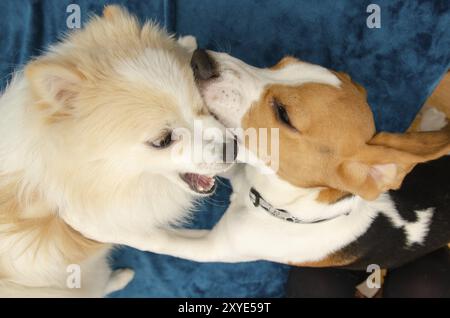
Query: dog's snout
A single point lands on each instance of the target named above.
(203, 65)
(230, 150)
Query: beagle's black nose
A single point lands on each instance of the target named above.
(203, 65)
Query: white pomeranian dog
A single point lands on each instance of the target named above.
(90, 156)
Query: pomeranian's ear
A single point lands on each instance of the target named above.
(385, 161)
(55, 85)
(113, 12)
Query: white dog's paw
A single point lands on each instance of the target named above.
(189, 42)
(432, 119)
(119, 279)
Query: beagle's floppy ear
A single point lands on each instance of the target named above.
(384, 162)
(54, 84)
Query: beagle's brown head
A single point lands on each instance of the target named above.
(326, 130)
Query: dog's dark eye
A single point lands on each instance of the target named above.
(162, 142)
(281, 113)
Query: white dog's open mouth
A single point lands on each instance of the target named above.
(199, 183)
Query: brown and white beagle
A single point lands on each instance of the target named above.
(342, 195)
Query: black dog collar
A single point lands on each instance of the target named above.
(258, 201)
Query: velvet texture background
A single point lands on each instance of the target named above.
(399, 65)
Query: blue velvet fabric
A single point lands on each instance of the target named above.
(399, 64)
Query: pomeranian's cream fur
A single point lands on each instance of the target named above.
(76, 173)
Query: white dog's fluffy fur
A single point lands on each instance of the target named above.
(77, 172)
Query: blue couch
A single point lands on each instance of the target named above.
(399, 64)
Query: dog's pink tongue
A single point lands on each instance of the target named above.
(200, 181)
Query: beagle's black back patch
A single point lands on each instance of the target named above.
(427, 186)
